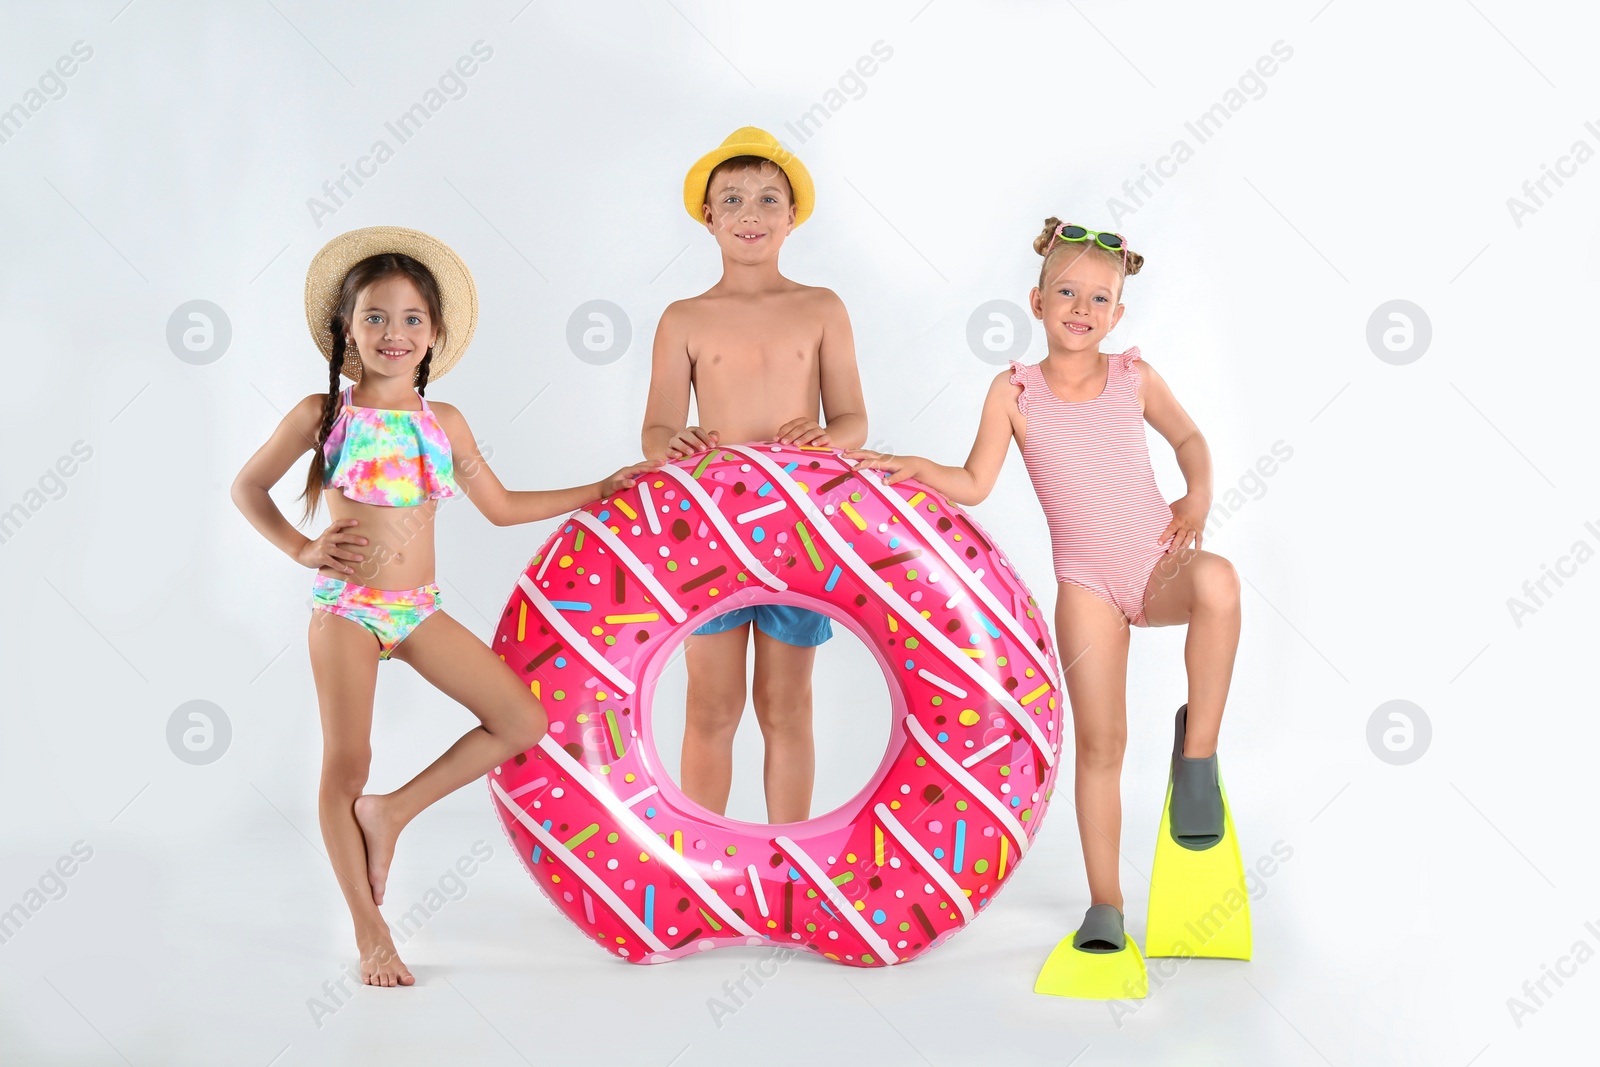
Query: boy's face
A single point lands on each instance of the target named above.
(1079, 301)
(749, 210)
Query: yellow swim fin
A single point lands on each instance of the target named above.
(1090, 974)
(1199, 905)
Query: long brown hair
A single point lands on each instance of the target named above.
(364, 274)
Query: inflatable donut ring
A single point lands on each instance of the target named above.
(972, 679)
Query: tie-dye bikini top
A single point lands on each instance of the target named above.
(386, 456)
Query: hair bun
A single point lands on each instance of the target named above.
(1047, 236)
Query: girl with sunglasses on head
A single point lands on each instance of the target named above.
(1123, 555)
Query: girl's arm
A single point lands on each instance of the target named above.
(971, 483)
(506, 507)
(295, 436)
(1163, 412)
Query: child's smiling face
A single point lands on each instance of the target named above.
(750, 210)
(1079, 301)
(391, 327)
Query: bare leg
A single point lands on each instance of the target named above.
(344, 663)
(782, 694)
(1201, 589)
(463, 668)
(712, 709)
(1093, 637)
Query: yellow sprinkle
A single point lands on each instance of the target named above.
(644, 616)
(975, 653)
(861, 905)
(969, 718)
(628, 777)
(894, 627)
(877, 844)
(677, 841)
(597, 631)
(522, 620)
(914, 501)
(1036, 694)
(623, 507)
(564, 561)
(1004, 843)
(534, 687)
(855, 516)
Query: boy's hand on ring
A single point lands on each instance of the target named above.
(802, 432)
(328, 548)
(691, 439)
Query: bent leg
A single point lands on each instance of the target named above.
(782, 694)
(344, 665)
(713, 706)
(1093, 638)
(1202, 589)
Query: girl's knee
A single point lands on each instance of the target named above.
(1101, 749)
(1217, 583)
(527, 727)
(344, 771)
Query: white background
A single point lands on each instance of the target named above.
(1377, 561)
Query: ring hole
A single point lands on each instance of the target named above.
(851, 718)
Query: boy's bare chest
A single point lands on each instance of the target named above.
(760, 340)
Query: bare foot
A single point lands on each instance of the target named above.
(380, 831)
(380, 963)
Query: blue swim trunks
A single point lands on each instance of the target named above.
(801, 627)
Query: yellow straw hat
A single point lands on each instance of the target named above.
(458, 296)
(749, 141)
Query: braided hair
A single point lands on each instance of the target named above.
(361, 276)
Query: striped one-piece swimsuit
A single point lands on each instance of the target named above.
(1090, 467)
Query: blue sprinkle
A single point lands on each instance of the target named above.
(603, 516)
(972, 639)
(833, 579)
(567, 530)
(1016, 802)
(910, 664)
(938, 853)
(571, 605)
(894, 542)
(987, 625)
(650, 907)
(548, 823)
(794, 875)
(790, 468)
(683, 505)
(879, 916)
(758, 535)
(943, 737)
(536, 851)
(826, 908)
(561, 661)
(766, 488)
(649, 813)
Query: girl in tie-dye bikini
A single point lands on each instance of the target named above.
(392, 310)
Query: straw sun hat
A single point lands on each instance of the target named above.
(458, 296)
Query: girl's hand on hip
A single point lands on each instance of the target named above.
(899, 467)
(1188, 524)
(331, 548)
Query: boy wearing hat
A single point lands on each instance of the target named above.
(764, 356)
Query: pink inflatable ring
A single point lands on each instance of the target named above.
(972, 678)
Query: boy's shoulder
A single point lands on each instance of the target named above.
(817, 296)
